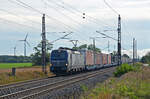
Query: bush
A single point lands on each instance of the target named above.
(124, 68)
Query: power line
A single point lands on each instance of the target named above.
(29, 6)
(63, 7)
(8, 21)
(33, 9)
(19, 16)
(111, 7)
(106, 35)
(62, 13)
(74, 10)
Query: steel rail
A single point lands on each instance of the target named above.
(35, 90)
(64, 83)
(7, 88)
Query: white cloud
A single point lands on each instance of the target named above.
(140, 53)
(135, 14)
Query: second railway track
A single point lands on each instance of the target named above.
(34, 91)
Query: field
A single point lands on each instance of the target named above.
(17, 65)
(22, 74)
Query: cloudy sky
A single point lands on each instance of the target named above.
(19, 17)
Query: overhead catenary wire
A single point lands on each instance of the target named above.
(12, 22)
(28, 20)
(111, 8)
(64, 7)
(20, 3)
(11, 13)
(68, 17)
(74, 21)
(40, 12)
(77, 12)
(74, 11)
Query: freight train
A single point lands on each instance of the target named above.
(66, 60)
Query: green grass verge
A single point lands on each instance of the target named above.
(16, 65)
(132, 85)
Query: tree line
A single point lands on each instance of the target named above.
(14, 59)
(36, 57)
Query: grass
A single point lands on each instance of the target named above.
(16, 65)
(7, 78)
(132, 85)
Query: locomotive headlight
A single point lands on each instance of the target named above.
(66, 64)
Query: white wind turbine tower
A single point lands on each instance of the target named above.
(25, 43)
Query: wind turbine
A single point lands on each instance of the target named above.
(25, 42)
(15, 51)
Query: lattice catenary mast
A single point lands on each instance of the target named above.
(43, 45)
(119, 40)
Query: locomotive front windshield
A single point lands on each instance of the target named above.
(59, 55)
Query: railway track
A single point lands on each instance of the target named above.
(37, 88)
(12, 88)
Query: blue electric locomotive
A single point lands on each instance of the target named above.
(59, 61)
(65, 61)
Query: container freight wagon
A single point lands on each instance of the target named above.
(88, 59)
(76, 61)
(99, 60)
(109, 58)
(104, 59)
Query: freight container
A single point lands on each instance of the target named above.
(101, 59)
(104, 59)
(76, 60)
(97, 58)
(88, 57)
(109, 58)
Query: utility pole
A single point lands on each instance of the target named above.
(119, 40)
(133, 51)
(94, 49)
(136, 51)
(43, 45)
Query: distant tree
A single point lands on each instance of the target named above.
(125, 55)
(146, 58)
(85, 46)
(37, 56)
(14, 59)
(80, 47)
(91, 47)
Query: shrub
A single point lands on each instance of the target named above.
(124, 68)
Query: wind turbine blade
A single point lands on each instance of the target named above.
(21, 40)
(26, 37)
(28, 44)
(65, 38)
